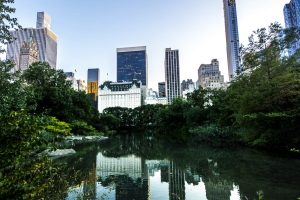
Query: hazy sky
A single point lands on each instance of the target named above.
(89, 31)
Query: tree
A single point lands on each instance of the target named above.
(53, 95)
(7, 22)
(266, 99)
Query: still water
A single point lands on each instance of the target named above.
(143, 168)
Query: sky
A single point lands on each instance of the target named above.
(89, 31)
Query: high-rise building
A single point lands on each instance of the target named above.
(209, 75)
(28, 54)
(93, 85)
(292, 19)
(132, 64)
(162, 89)
(172, 74)
(232, 38)
(46, 42)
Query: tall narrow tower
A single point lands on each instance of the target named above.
(93, 85)
(232, 38)
(292, 20)
(172, 74)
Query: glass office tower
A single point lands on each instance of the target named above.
(132, 64)
(46, 42)
(232, 38)
(93, 85)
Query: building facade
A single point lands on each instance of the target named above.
(153, 98)
(93, 80)
(28, 54)
(132, 64)
(162, 89)
(172, 74)
(77, 84)
(292, 19)
(43, 20)
(232, 38)
(46, 43)
(124, 94)
(209, 76)
(187, 86)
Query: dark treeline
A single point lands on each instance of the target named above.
(259, 108)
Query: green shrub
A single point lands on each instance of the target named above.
(82, 128)
(216, 135)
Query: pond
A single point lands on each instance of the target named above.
(145, 168)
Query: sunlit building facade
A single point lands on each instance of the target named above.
(209, 76)
(93, 85)
(28, 54)
(232, 38)
(45, 39)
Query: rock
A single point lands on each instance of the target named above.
(61, 152)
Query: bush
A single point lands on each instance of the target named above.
(82, 128)
(215, 135)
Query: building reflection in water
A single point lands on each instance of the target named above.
(128, 174)
(128, 178)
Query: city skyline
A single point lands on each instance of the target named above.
(108, 29)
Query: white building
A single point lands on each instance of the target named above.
(128, 165)
(152, 98)
(123, 94)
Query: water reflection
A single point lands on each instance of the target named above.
(139, 168)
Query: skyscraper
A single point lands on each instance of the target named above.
(172, 74)
(292, 19)
(232, 37)
(132, 64)
(93, 85)
(162, 89)
(209, 75)
(45, 39)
